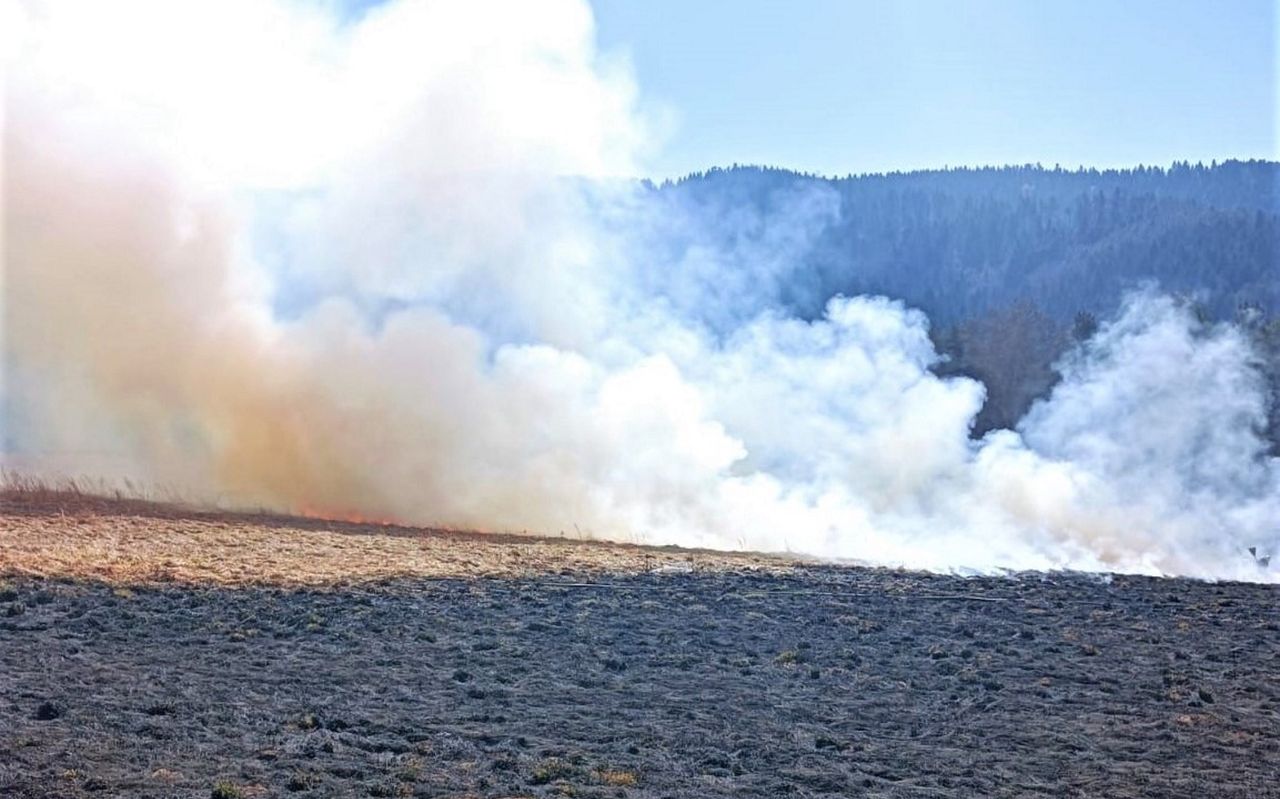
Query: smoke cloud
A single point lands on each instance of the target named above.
(388, 268)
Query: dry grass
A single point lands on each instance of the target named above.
(619, 779)
(66, 531)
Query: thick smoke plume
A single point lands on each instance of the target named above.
(387, 268)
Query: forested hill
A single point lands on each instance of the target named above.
(1012, 264)
(960, 243)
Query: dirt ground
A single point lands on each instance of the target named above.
(150, 651)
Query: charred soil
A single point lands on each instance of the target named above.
(552, 668)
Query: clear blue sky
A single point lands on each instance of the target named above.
(837, 86)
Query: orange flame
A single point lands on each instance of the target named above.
(347, 516)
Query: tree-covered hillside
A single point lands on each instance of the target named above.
(1012, 264)
(959, 243)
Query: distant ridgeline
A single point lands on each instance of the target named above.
(1011, 263)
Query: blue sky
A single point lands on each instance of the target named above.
(837, 86)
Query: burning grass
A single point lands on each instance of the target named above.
(73, 531)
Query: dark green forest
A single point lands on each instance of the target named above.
(1013, 264)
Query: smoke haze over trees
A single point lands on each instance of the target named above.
(961, 242)
(1012, 264)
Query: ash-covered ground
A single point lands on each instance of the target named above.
(718, 678)
(823, 682)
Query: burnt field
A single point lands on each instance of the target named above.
(530, 668)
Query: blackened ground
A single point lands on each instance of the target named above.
(821, 682)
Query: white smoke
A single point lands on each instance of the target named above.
(385, 268)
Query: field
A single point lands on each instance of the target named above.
(154, 651)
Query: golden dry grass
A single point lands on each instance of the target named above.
(60, 533)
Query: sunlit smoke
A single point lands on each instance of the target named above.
(389, 269)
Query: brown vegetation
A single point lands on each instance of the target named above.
(63, 531)
(150, 651)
